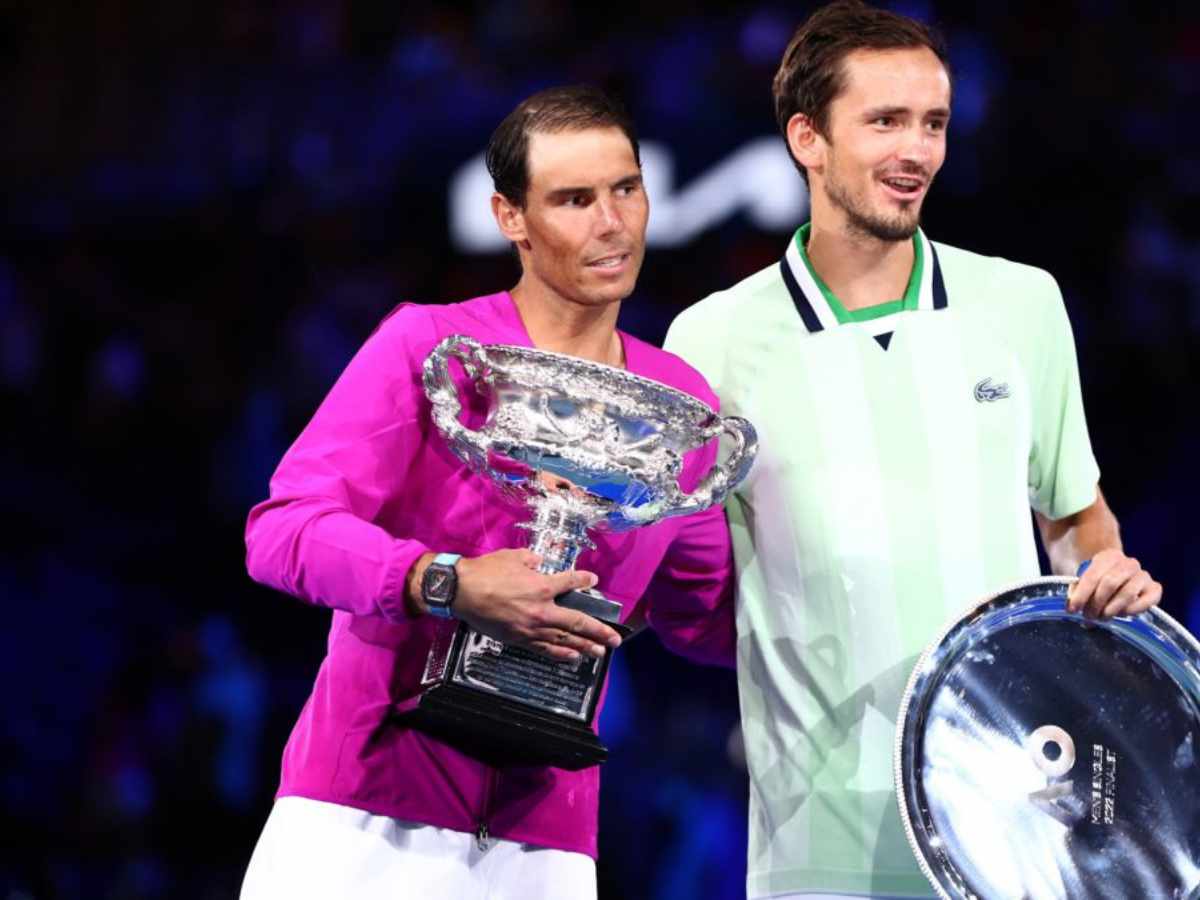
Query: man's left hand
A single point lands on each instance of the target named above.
(1113, 585)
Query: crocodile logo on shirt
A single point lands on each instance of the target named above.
(987, 392)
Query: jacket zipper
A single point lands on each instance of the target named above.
(481, 831)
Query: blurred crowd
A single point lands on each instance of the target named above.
(208, 206)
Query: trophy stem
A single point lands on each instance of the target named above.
(559, 535)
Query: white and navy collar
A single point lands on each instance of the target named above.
(819, 313)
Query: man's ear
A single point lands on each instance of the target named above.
(509, 218)
(805, 142)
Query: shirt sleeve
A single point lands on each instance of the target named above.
(1063, 473)
(690, 599)
(691, 337)
(315, 536)
(691, 596)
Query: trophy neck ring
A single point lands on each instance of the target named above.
(560, 531)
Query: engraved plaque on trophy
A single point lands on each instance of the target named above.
(1047, 756)
(584, 447)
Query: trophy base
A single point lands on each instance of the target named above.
(502, 732)
(508, 706)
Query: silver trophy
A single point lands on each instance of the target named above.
(584, 447)
(1044, 756)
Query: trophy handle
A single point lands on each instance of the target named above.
(443, 392)
(722, 477)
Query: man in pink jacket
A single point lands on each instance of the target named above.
(369, 494)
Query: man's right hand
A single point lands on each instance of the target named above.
(503, 595)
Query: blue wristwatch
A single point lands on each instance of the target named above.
(439, 584)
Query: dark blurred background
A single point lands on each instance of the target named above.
(208, 206)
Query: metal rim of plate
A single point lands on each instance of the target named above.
(1153, 627)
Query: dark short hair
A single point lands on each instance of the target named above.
(811, 74)
(557, 109)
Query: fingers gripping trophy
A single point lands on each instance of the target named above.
(584, 447)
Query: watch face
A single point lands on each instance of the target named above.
(439, 583)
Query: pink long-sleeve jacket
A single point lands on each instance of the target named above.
(366, 489)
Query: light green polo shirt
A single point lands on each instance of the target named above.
(901, 448)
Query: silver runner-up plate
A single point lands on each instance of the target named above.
(1040, 754)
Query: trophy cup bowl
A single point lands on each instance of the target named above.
(584, 447)
(1047, 756)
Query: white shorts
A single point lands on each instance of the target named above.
(324, 851)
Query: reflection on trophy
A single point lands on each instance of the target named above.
(1046, 756)
(584, 447)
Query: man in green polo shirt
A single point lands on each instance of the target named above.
(913, 402)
